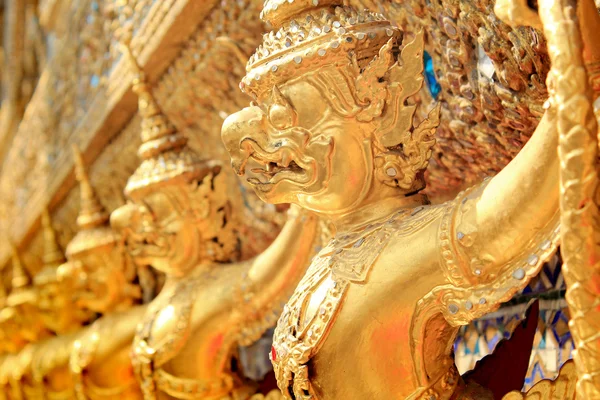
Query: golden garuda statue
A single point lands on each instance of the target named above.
(178, 220)
(369, 124)
(334, 128)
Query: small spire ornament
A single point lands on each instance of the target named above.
(166, 157)
(92, 212)
(20, 278)
(53, 255)
(94, 230)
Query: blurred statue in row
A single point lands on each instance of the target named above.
(179, 220)
(51, 352)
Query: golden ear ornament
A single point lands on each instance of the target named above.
(407, 147)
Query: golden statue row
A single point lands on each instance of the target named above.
(184, 342)
(333, 128)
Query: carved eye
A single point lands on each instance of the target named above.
(281, 117)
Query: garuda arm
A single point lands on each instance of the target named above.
(104, 348)
(495, 236)
(272, 276)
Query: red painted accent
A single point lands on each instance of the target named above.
(215, 346)
(273, 354)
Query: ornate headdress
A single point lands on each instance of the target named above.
(312, 34)
(94, 230)
(308, 34)
(166, 157)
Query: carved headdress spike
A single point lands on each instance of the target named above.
(92, 213)
(158, 134)
(53, 255)
(21, 289)
(164, 151)
(94, 230)
(310, 34)
(20, 278)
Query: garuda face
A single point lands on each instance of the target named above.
(331, 124)
(176, 226)
(294, 148)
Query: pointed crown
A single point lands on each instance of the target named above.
(53, 255)
(20, 278)
(22, 291)
(92, 213)
(94, 230)
(309, 34)
(165, 154)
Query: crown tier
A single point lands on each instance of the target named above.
(276, 12)
(312, 37)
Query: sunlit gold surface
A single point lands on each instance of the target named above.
(65, 295)
(376, 314)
